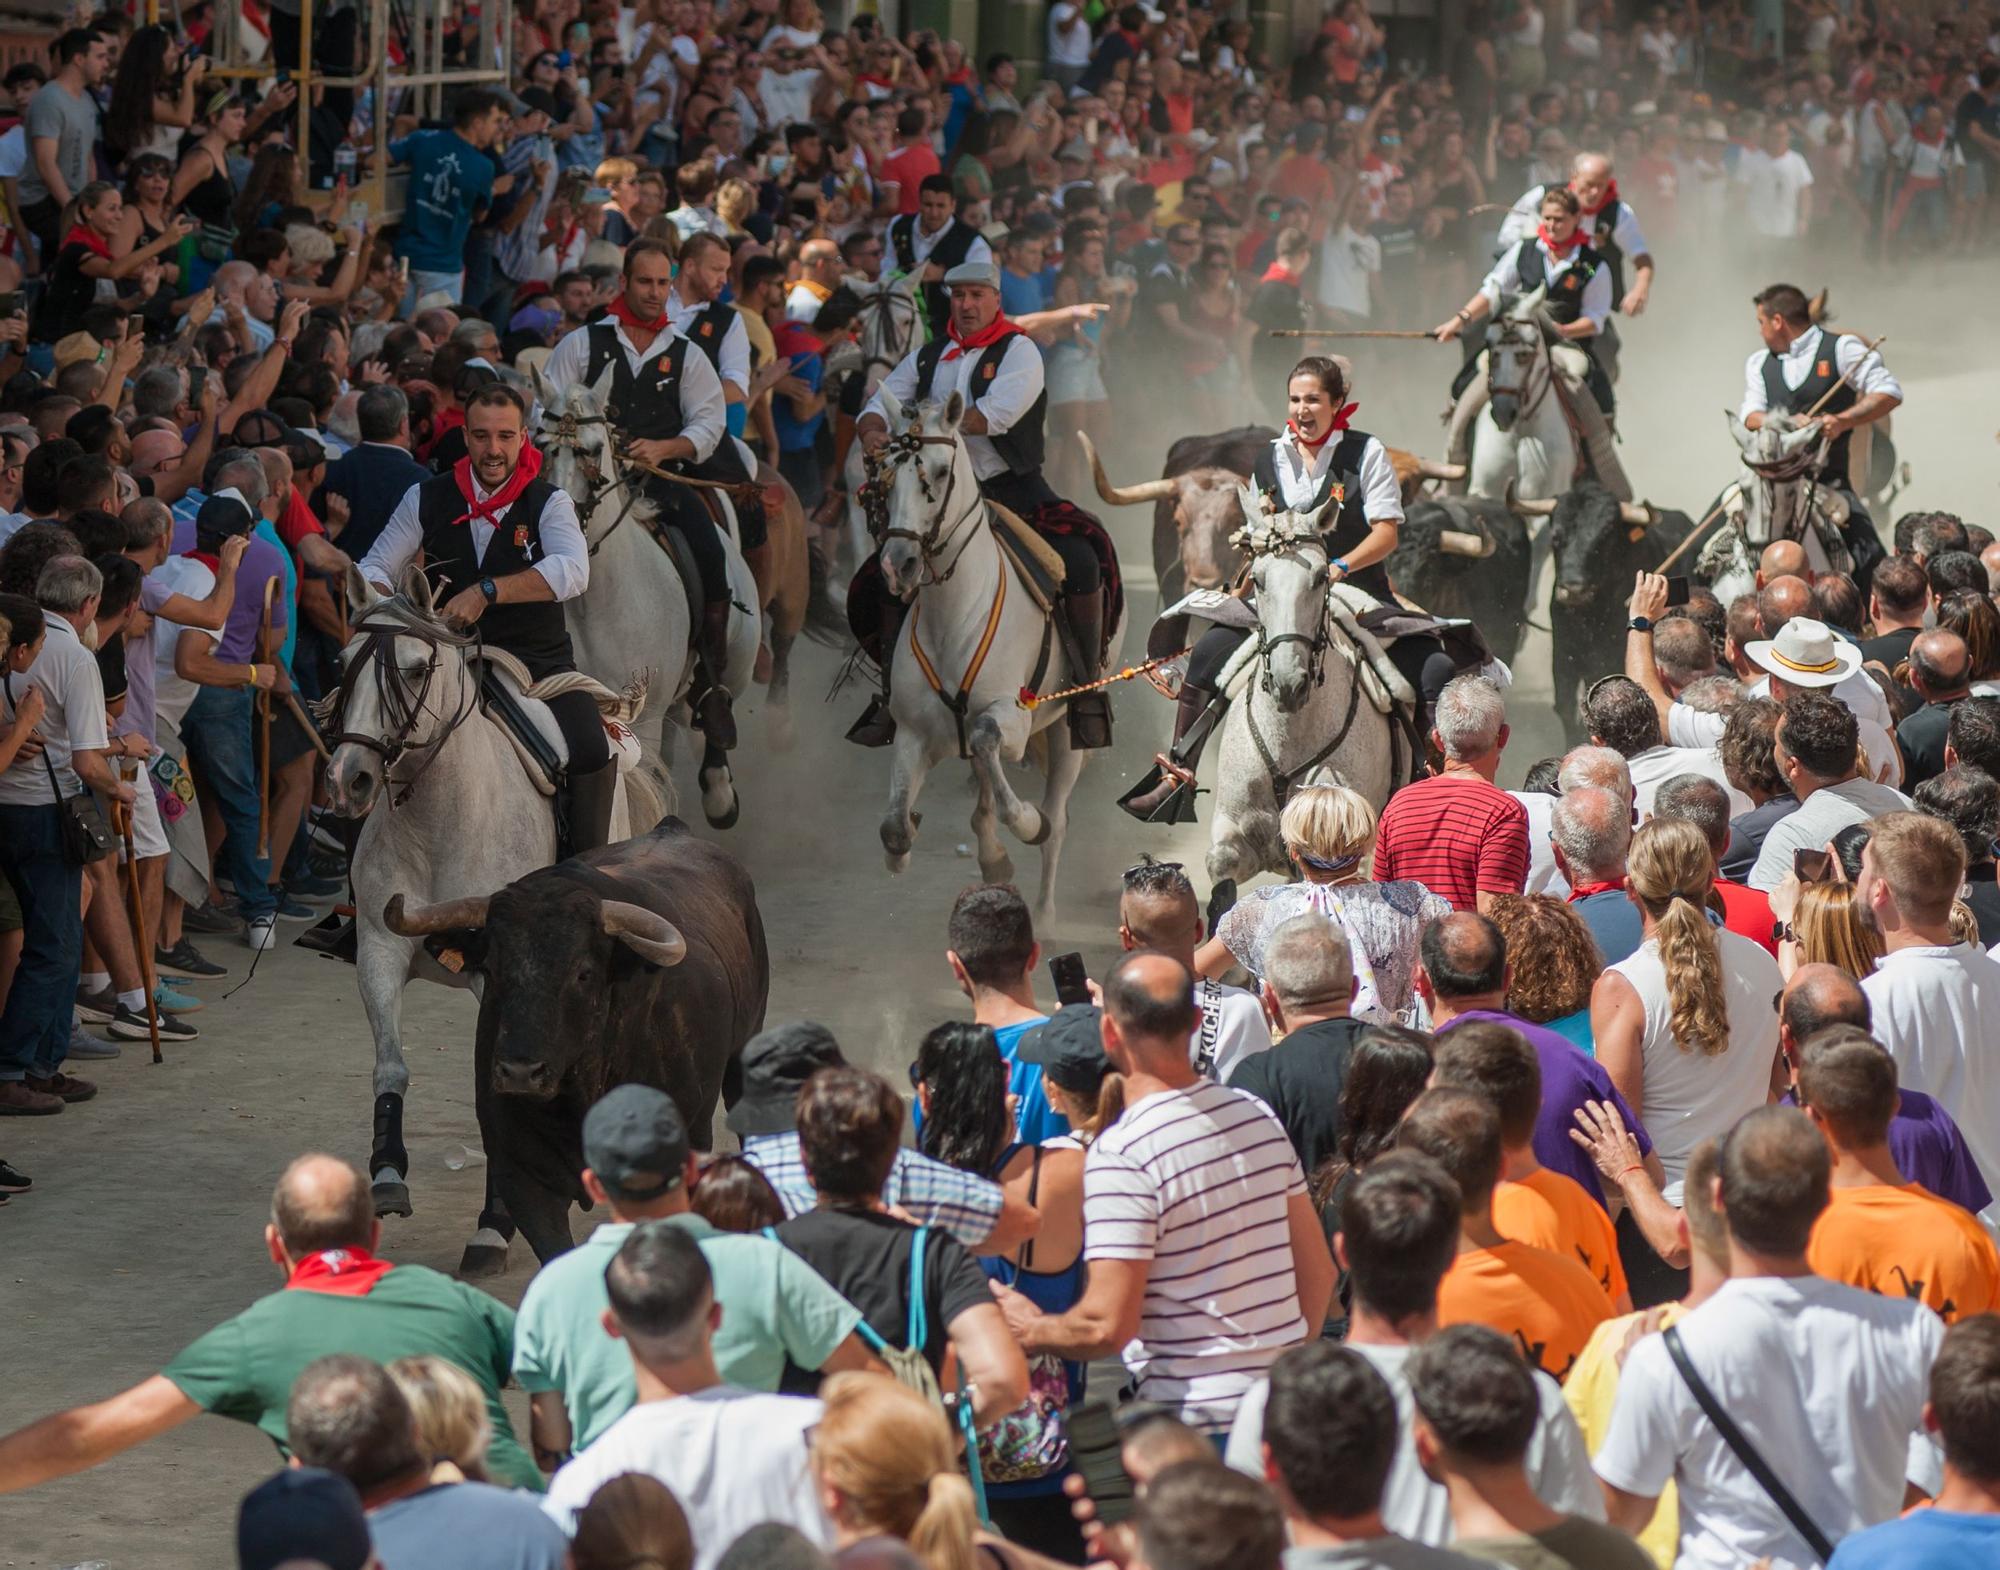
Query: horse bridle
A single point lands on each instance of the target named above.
(400, 710)
(883, 305)
(896, 452)
(1508, 330)
(1264, 543)
(568, 433)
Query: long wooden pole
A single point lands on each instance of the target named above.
(135, 908)
(264, 729)
(1331, 332)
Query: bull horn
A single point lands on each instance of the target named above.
(449, 916)
(646, 933)
(1540, 507)
(1431, 469)
(1128, 495)
(1456, 542)
(1638, 514)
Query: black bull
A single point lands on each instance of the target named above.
(1597, 548)
(640, 963)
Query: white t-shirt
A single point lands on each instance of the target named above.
(172, 692)
(1072, 47)
(1345, 262)
(1689, 1095)
(1544, 876)
(1826, 1380)
(73, 720)
(1414, 1506)
(1654, 767)
(1937, 1010)
(1232, 1028)
(14, 153)
(1773, 190)
(1820, 816)
(734, 1458)
(1197, 1183)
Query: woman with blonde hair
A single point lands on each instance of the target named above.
(735, 201)
(632, 1522)
(1684, 1026)
(453, 1429)
(1329, 834)
(1825, 928)
(1552, 963)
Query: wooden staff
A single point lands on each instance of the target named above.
(1329, 332)
(135, 908)
(312, 731)
(264, 728)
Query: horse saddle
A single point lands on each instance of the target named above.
(538, 740)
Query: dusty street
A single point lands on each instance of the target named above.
(146, 1227)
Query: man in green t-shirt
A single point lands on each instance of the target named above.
(774, 1305)
(337, 1297)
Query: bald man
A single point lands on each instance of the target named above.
(819, 276)
(1780, 599)
(1941, 673)
(337, 1297)
(1783, 559)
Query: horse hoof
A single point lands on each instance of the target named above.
(391, 1196)
(482, 1260)
(722, 816)
(1044, 826)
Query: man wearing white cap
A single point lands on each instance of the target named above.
(996, 368)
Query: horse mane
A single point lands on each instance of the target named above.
(406, 610)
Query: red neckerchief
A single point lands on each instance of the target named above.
(1610, 200)
(1559, 248)
(1278, 272)
(212, 563)
(1585, 890)
(89, 238)
(339, 1272)
(1339, 424)
(872, 80)
(1928, 141)
(525, 470)
(993, 332)
(621, 311)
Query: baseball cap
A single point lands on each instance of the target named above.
(302, 1513)
(1069, 1048)
(635, 1142)
(262, 428)
(776, 1064)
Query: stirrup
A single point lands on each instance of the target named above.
(876, 727)
(1176, 806)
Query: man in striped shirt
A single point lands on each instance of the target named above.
(1457, 833)
(1206, 1257)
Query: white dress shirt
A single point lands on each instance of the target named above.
(1505, 279)
(1003, 402)
(922, 244)
(1853, 361)
(1526, 215)
(733, 358)
(564, 562)
(703, 418)
(1301, 471)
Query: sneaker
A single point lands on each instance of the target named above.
(130, 1025)
(312, 886)
(13, 1180)
(97, 1008)
(64, 1087)
(82, 1044)
(290, 909)
(19, 1100)
(187, 962)
(170, 1000)
(210, 918)
(323, 830)
(262, 933)
(324, 863)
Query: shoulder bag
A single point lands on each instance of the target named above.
(85, 835)
(1740, 1447)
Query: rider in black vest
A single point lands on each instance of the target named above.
(668, 412)
(998, 370)
(1579, 290)
(1359, 539)
(948, 241)
(510, 585)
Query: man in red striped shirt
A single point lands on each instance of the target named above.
(1457, 833)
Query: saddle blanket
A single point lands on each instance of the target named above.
(537, 739)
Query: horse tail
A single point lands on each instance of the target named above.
(650, 795)
(826, 622)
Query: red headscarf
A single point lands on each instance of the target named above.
(992, 333)
(525, 470)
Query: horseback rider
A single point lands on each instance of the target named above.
(1801, 363)
(997, 369)
(1318, 460)
(697, 311)
(503, 550)
(1559, 258)
(1612, 228)
(932, 241)
(667, 405)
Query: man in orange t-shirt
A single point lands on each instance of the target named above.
(1881, 1233)
(1548, 1210)
(1547, 1303)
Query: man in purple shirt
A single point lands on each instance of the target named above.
(1927, 1144)
(1462, 976)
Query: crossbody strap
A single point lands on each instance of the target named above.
(919, 1325)
(1740, 1447)
(15, 704)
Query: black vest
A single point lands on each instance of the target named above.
(1350, 525)
(1603, 239)
(535, 633)
(950, 250)
(1022, 447)
(1565, 301)
(707, 329)
(645, 407)
(1824, 377)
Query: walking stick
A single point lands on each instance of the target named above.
(264, 729)
(135, 907)
(1332, 332)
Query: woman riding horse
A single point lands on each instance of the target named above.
(1317, 466)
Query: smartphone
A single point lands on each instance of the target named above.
(1812, 866)
(1095, 1445)
(197, 383)
(1677, 592)
(358, 211)
(10, 304)
(1071, 980)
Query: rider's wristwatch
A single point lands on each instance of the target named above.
(490, 589)
(1641, 624)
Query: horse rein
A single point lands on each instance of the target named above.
(875, 502)
(1508, 331)
(401, 711)
(889, 324)
(568, 434)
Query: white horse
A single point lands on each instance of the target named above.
(1521, 438)
(968, 647)
(451, 814)
(1775, 498)
(1303, 718)
(891, 326)
(635, 613)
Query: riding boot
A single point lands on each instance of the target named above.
(1166, 794)
(1089, 712)
(877, 726)
(587, 808)
(712, 711)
